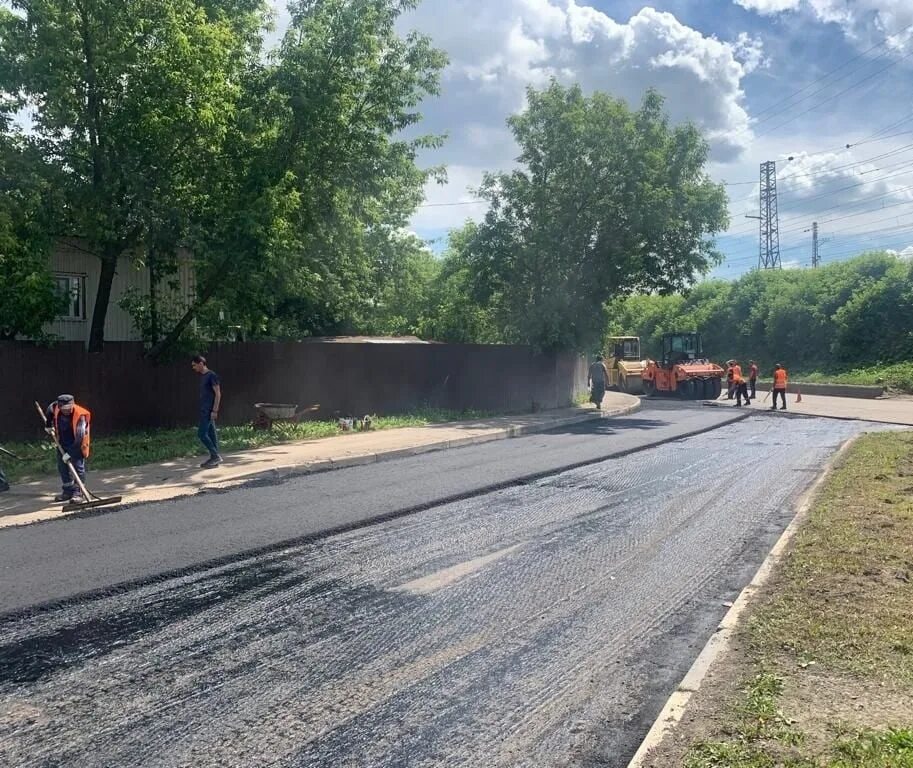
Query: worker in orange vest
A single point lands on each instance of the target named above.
(740, 384)
(781, 378)
(729, 381)
(72, 425)
(753, 378)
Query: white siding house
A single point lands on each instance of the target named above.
(76, 270)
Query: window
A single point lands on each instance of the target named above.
(74, 288)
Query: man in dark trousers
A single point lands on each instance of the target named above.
(72, 424)
(779, 387)
(210, 400)
(740, 385)
(597, 380)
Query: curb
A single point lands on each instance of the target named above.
(673, 711)
(329, 465)
(291, 471)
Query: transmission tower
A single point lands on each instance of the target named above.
(816, 254)
(769, 255)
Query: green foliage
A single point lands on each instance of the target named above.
(896, 376)
(454, 315)
(28, 296)
(304, 236)
(131, 100)
(608, 201)
(857, 313)
(404, 273)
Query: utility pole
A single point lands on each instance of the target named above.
(769, 250)
(816, 256)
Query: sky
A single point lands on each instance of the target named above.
(793, 81)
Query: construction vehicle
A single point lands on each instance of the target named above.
(683, 370)
(625, 365)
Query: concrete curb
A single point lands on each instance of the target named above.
(858, 391)
(280, 473)
(297, 470)
(673, 711)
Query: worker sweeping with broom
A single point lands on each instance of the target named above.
(70, 428)
(71, 423)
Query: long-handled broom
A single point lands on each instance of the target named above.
(91, 500)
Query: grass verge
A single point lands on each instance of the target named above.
(821, 673)
(137, 448)
(897, 377)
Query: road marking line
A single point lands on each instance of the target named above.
(447, 576)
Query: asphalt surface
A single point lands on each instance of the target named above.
(540, 624)
(59, 559)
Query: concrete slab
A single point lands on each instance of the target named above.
(885, 410)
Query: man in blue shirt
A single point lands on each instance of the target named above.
(210, 400)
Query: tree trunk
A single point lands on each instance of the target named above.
(102, 298)
(153, 299)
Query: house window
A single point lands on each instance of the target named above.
(74, 288)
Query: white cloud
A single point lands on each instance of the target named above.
(825, 181)
(497, 49)
(448, 206)
(864, 21)
(768, 7)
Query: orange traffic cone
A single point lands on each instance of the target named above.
(798, 395)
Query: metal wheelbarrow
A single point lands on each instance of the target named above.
(269, 413)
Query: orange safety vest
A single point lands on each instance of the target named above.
(737, 374)
(78, 413)
(780, 379)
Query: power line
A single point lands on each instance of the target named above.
(836, 95)
(797, 216)
(825, 76)
(447, 205)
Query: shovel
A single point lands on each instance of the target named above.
(91, 500)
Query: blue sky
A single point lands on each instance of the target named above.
(748, 72)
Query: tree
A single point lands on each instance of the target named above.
(328, 181)
(28, 296)
(851, 313)
(131, 101)
(454, 313)
(608, 201)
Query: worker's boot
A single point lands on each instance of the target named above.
(63, 496)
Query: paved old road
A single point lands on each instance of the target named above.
(540, 624)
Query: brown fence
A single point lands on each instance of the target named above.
(127, 392)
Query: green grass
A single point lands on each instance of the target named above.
(839, 606)
(897, 377)
(154, 446)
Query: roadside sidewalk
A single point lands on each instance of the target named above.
(30, 502)
(887, 410)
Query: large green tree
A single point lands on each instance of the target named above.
(28, 297)
(130, 101)
(319, 179)
(606, 201)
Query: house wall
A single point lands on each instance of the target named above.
(74, 257)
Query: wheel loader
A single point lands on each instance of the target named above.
(683, 371)
(624, 364)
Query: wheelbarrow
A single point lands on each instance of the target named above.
(270, 413)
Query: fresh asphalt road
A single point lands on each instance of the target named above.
(541, 623)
